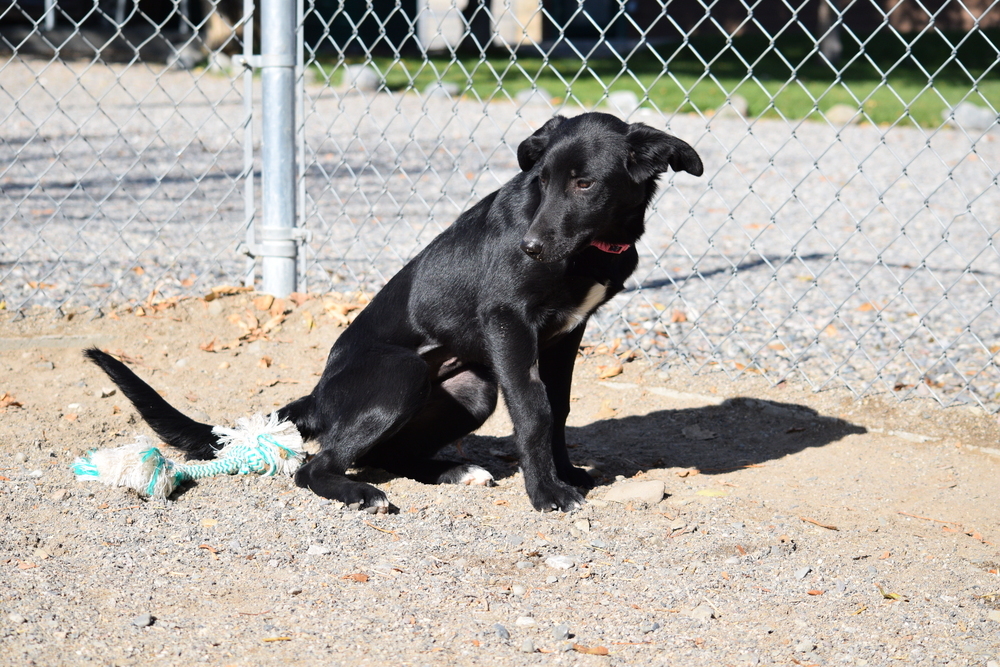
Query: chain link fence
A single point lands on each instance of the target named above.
(123, 166)
(843, 233)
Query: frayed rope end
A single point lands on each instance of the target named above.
(258, 444)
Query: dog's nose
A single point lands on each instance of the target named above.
(532, 247)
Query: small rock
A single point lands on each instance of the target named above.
(501, 631)
(560, 632)
(969, 116)
(35, 474)
(294, 590)
(560, 562)
(532, 97)
(524, 565)
(445, 89)
(648, 627)
(649, 492)
(16, 619)
(678, 524)
(802, 572)
(108, 391)
(736, 107)
(181, 363)
(525, 622)
(45, 365)
(582, 525)
(235, 547)
(599, 544)
(318, 550)
(994, 615)
(527, 646)
(143, 620)
(702, 612)
(518, 589)
(551, 579)
(843, 114)
(60, 495)
(804, 647)
(363, 78)
(624, 102)
(732, 560)
(20, 457)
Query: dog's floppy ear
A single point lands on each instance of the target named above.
(532, 148)
(651, 152)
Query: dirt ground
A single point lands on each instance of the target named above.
(796, 527)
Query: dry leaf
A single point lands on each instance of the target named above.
(889, 596)
(273, 322)
(610, 371)
(815, 592)
(279, 307)
(678, 316)
(298, 298)
(7, 401)
(357, 576)
(615, 344)
(688, 472)
(265, 362)
(263, 302)
(309, 320)
(884, 555)
(71, 417)
(190, 280)
(817, 523)
(605, 411)
(590, 650)
(867, 306)
(25, 565)
(208, 523)
(191, 396)
(138, 270)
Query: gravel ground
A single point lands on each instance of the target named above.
(786, 258)
(783, 526)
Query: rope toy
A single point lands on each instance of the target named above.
(259, 444)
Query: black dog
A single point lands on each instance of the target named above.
(500, 299)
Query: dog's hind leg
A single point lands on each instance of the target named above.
(352, 410)
(457, 406)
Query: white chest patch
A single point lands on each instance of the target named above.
(577, 315)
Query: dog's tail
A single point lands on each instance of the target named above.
(196, 440)
(176, 429)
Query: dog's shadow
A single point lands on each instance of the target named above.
(739, 432)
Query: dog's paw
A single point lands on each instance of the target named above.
(577, 477)
(468, 475)
(555, 496)
(361, 496)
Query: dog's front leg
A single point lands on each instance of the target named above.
(555, 364)
(513, 348)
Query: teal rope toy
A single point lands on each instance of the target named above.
(258, 445)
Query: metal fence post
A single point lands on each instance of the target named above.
(277, 238)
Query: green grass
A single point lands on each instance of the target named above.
(910, 80)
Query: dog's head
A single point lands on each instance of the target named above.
(595, 176)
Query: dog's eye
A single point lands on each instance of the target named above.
(543, 180)
(584, 184)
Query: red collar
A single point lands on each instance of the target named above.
(613, 248)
